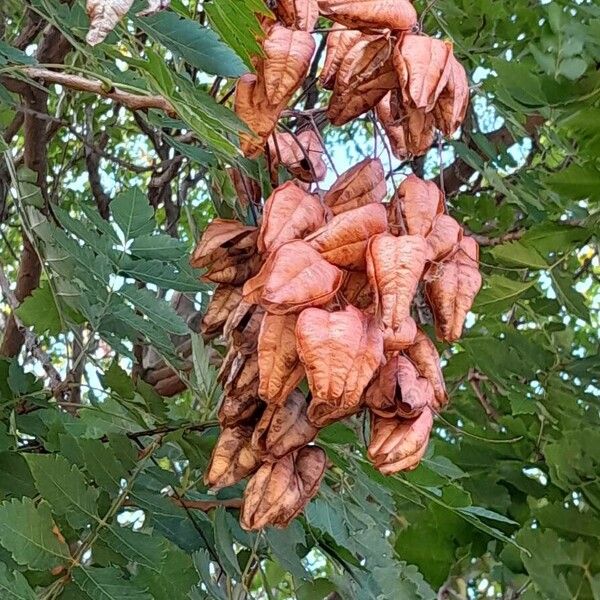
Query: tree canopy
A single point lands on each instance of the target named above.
(115, 158)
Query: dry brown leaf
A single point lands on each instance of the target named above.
(232, 458)
(224, 300)
(301, 155)
(343, 241)
(365, 76)
(415, 205)
(399, 444)
(298, 14)
(361, 184)
(444, 237)
(287, 56)
(421, 64)
(398, 390)
(340, 352)
(452, 104)
(339, 42)
(357, 290)
(425, 357)
(279, 491)
(394, 267)
(279, 366)
(451, 288)
(294, 277)
(283, 428)
(289, 213)
(398, 15)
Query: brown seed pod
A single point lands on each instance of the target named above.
(339, 42)
(301, 155)
(298, 14)
(453, 101)
(398, 15)
(224, 300)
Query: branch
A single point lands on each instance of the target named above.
(75, 82)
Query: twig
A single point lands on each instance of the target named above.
(489, 410)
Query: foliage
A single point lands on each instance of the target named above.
(101, 477)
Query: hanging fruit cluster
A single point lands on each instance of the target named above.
(325, 286)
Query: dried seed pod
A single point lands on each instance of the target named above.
(444, 237)
(343, 241)
(279, 491)
(243, 336)
(280, 369)
(232, 458)
(234, 269)
(247, 189)
(398, 15)
(283, 428)
(421, 63)
(365, 76)
(224, 300)
(362, 184)
(414, 206)
(340, 352)
(298, 14)
(287, 57)
(425, 357)
(240, 397)
(451, 287)
(452, 104)
(357, 290)
(339, 42)
(301, 155)
(398, 390)
(394, 267)
(290, 213)
(294, 277)
(399, 444)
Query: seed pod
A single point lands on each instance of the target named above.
(224, 300)
(340, 352)
(240, 393)
(399, 444)
(398, 15)
(451, 107)
(294, 277)
(279, 366)
(362, 184)
(425, 357)
(357, 291)
(247, 189)
(343, 241)
(451, 287)
(298, 14)
(444, 237)
(279, 491)
(232, 458)
(339, 42)
(301, 155)
(284, 428)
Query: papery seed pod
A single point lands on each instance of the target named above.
(279, 491)
(394, 267)
(451, 287)
(340, 352)
(365, 76)
(425, 357)
(339, 42)
(398, 15)
(444, 237)
(451, 107)
(243, 336)
(343, 241)
(397, 390)
(294, 277)
(399, 444)
(357, 291)
(232, 458)
(362, 184)
(280, 369)
(421, 63)
(234, 269)
(223, 301)
(283, 428)
(289, 213)
(240, 398)
(287, 57)
(298, 14)
(252, 107)
(247, 189)
(414, 206)
(301, 155)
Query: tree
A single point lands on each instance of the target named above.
(115, 160)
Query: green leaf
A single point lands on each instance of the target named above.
(107, 584)
(197, 45)
(27, 531)
(515, 253)
(160, 312)
(161, 274)
(13, 586)
(64, 486)
(132, 213)
(202, 563)
(15, 476)
(145, 550)
(576, 182)
(118, 380)
(162, 247)
(40, 311)
(224, 543)
(500, 294)
(315, 590)
(572, 68)
(572, 300)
